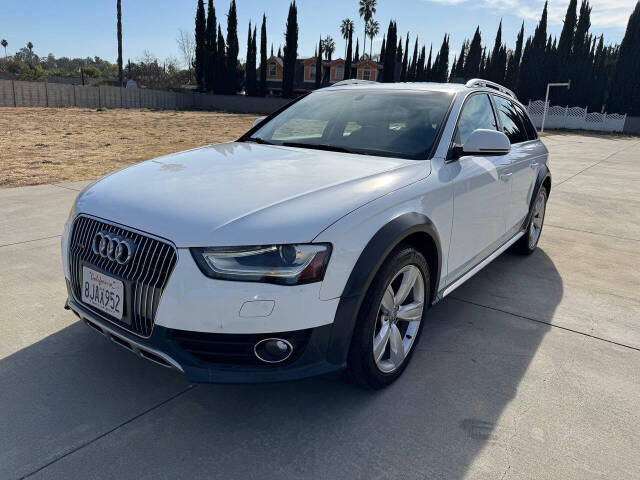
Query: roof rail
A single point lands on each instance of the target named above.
(352, 81)
(478, 82)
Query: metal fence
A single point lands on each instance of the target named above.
(576, 118)
(14, 93)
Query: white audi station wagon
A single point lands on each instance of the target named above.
(314, 243)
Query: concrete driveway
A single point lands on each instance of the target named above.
(530, 370)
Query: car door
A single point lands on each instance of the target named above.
(480, 192)
(524, 159)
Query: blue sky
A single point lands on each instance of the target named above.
(77, 28)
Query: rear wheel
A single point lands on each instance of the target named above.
(390, 319)
(529, 241)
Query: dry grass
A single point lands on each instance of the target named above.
(49, 145)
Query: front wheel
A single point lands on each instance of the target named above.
(529, 241)
(390, 319)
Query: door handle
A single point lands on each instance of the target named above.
(533, 165)
(505, 176)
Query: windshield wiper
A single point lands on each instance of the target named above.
(322, 146)
(259, 140)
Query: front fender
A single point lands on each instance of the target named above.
(366, 267)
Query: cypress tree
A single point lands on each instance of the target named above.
(441, 65)
(428, 71)
(405, 61)
(221, 64)
(550, 64)
(414, 63)
(452, 75)
(523, 82)
(356, 56)
(458, 68)
(482, 71)
(420, 72)
(565, 44)
(201, 51)
(625, 89)
(501, 64)
(389, 65)
(399, 60)
(232, 49)
(513, 68)
(211, 46)
(598, 77)
(290, 51)
(347, 62)
(263, 57)
(251, 84)
(472, 62)
(494, 66)
(580, 92)
(319, 64)
(532, 79)
(382, 49)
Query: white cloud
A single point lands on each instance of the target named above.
(605, 13)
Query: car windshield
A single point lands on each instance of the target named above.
(401, 124)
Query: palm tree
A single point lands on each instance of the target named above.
(372, 29)
(345, 28)
(4, 43)
(329, 46)
(119, 26)
(30, 47)
(367, 10)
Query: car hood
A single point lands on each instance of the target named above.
(244, 193)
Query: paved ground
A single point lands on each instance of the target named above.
(530, 370)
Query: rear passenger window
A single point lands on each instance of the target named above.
(528, 126)
(477, 112)
(511, 120)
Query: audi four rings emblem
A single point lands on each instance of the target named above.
(113, 247)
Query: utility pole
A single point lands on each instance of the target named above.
(546, 100)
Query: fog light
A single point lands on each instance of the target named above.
(273, 350)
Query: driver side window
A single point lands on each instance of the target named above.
(477, 112)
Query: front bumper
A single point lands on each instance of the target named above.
(166, 347)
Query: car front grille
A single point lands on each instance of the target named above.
(235, 349)
(145, 275)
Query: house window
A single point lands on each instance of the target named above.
(312, 73)
(339, 72)
(272, 69)
(366, 73)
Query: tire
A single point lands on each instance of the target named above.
(383, 315)
(528, 243)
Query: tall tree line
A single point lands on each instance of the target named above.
(602, 76)
(216, 58)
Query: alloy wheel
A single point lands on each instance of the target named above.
(398, 318)
(535, 229)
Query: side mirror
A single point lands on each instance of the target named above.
(486, 142)
(258, 121)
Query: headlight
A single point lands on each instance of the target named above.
(284, 264)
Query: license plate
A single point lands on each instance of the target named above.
(102, 292)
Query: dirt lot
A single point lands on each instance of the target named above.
(49, 145)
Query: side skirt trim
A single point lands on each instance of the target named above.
(482, 264)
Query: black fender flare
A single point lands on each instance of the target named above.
(543, 175)
(365, 269)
